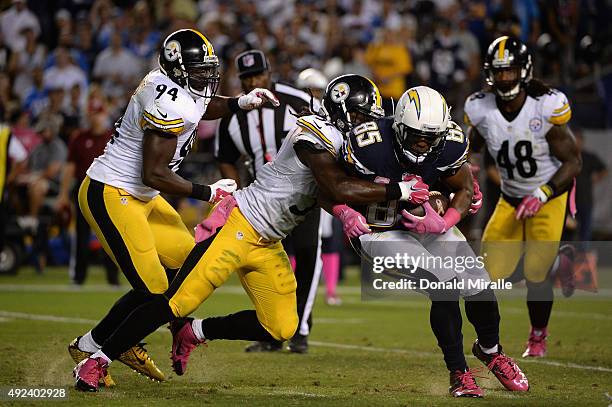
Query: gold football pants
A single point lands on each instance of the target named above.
(506, 240)
(142, 238)
(263, 268)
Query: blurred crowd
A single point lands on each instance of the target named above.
(68, 67)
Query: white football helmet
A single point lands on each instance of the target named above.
(420, 123)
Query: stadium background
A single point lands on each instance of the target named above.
(363, 353)
(64, 62)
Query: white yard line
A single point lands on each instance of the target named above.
(237, 290)
(419, 353)
(294, 393)
(54, 318)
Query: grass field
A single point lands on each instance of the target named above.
(362, 353)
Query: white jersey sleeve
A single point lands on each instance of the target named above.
(165, 111)
(476, 107)
(320, 133)
(556, 109)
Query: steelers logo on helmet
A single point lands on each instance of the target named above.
(172, 50)
(507, 67)
(350, 100)
(340, 92)
(189, 60)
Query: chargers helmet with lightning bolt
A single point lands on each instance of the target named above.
(421, 122)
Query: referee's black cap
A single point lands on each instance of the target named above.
(251, 62)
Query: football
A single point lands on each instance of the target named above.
(437, 200)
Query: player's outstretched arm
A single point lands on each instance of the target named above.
(221, 106)
(563, 146)
(342, 188)
(336, 185)
(158, 150)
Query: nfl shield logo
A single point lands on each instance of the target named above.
(248, 60)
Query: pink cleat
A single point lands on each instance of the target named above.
(88, 373)
(503, 367)
(184, 341)
(536, 345)
(463, 384)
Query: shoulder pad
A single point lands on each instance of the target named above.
(556, 107)
(476, 106)
(318, 131)
(455, 150)
(167, 106)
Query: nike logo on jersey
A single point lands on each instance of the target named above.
(165, 116)
(316, 125)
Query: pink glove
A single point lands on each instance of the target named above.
(353, 223)
(215, 220)
(414, 190)
(531, 204)
(431, 222)
(476, 198)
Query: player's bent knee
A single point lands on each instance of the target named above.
(157, 286)
(284, 328)
(180, 309)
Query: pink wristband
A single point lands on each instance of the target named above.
(451, 217)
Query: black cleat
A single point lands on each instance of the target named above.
(298, 344)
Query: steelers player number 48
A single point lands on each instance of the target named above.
(525, 164)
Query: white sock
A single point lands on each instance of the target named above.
(196, 325)
(87, 344)
(100, 354)
(538, 332)
(489, 351)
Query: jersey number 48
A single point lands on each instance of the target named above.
(524, 163)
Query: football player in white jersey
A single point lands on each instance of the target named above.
(249, 244)
(120, 198)
(523, 123)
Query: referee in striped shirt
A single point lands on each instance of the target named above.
(256, 136)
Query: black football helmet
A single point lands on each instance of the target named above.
(188, 58)
(503, 54)
(351, 94)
